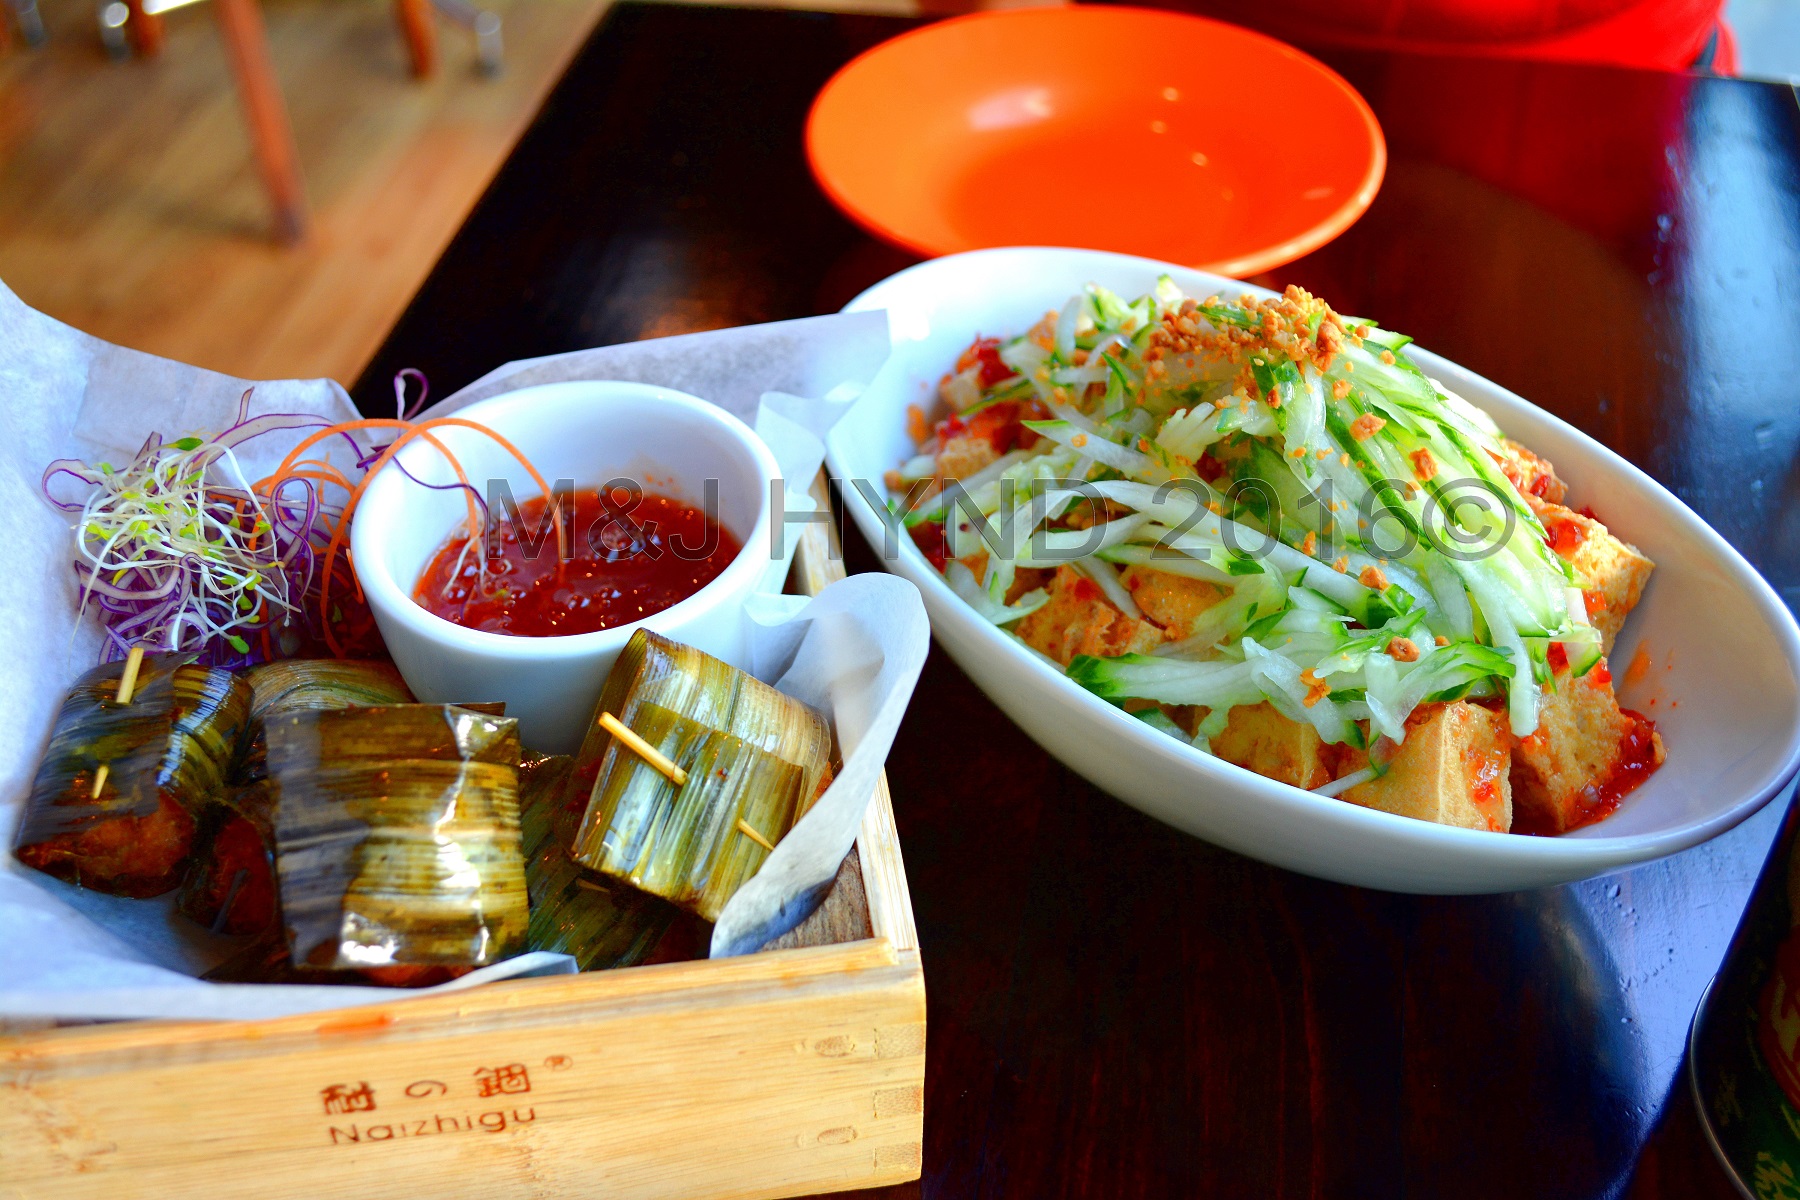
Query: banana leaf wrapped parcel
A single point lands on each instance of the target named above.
(115, 801)
(397, 836)
(231, 888)
(755, 759)
(575, 911)
(301, 684)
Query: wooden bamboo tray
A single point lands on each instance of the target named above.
(800, 1069)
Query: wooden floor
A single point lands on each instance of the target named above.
(129, 206)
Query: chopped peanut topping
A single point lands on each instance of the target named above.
(1342, 565)
(1442, 640)
(1387, 356)
(1372, 577)
(1366, 426)
(1078, 441)
(1316, 689)
(1310, 545)
(1425, 467)
(1403, 650)
(1284, 324)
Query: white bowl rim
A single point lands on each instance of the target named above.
(1590, 846)
(739, 575)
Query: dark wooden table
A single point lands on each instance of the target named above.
(1116, 1009)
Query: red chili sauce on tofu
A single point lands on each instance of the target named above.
(1485, 777)
(1598, 800)
(1000, 423)
(1565, 537)
(625, 563)
(985, 351)
(1636, 763)
(928, 536)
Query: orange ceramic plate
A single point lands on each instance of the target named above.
(1149, 133)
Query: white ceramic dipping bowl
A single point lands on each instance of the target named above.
(590, 432)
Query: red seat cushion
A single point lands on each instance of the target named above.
(1665, 34)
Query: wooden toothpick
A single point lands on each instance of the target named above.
(748, 831)
(128, 678)
(643, 749)
(134, 662)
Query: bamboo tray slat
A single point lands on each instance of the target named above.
(799, 1069)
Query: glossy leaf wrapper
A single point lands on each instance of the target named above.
(309, 684)
(751, 753)
(166, 752)
(397, 836)
(231, 886)
(575, 911)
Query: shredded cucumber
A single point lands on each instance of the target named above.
(1369, 554)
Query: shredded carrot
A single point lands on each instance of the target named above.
(321, 471)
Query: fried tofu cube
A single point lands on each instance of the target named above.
(1581, 739)
(1259, 738)
(961, 390)
(1453, 768)
(1172, 601)
(961, 456)
(1079, 619)
(1533, 476)
(1612, 572)
(965, 446)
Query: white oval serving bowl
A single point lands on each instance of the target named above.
(590, 432)
(1724, 650)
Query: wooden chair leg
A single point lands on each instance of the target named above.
(31, 22)
(247, 48)
(415, 18)
(144, 29)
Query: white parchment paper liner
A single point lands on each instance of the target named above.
(855, 651)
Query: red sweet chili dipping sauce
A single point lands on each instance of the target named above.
(626, 561)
